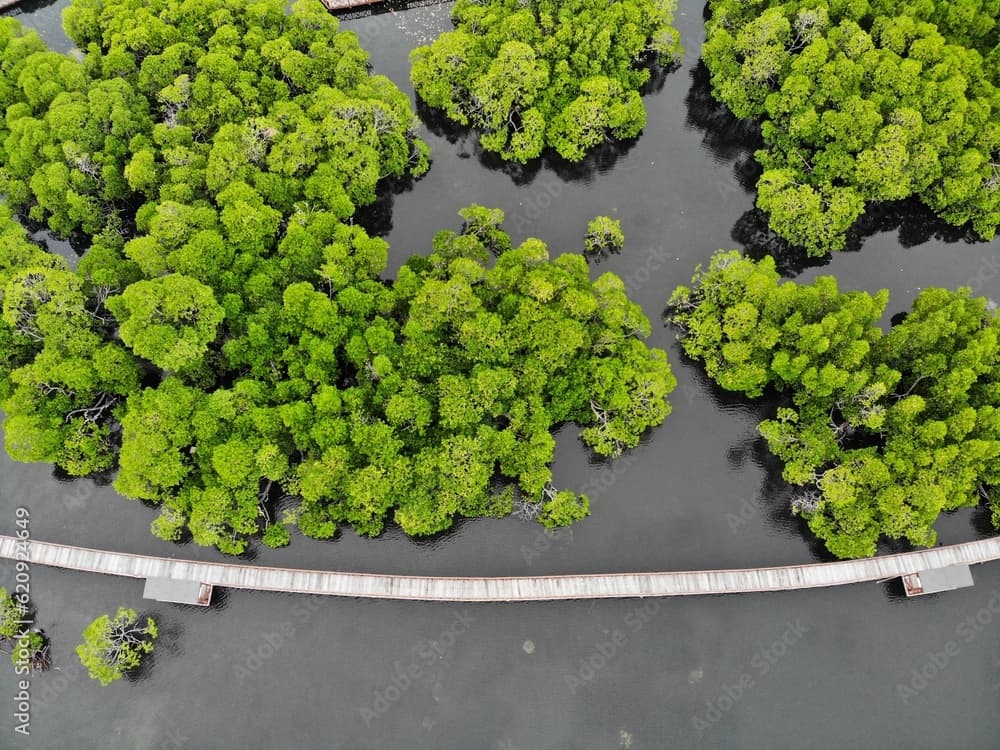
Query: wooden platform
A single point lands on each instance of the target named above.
(335, 5)
(350, 6)
(935, 581)
(177, 591)
(528, 588)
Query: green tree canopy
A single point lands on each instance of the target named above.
(221, 107)
(61, 377)
(604, 234)
(10, 616)
(169, 320)
(886, 431)
(864, 102)
(31, 649)
(228, 342)
(371, 402)
(537, 74)
(115, 645)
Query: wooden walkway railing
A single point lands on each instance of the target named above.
(528, 588)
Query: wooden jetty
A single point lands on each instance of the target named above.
(177, 591)
(352, 7)
(336, 5)
(527, 588)
(937, 580)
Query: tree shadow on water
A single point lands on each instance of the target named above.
(721, 399)
(754, 233)
(437, 122)
(376, 217)
(775, 495)
(27, 7)
(725, 136)
(598, 160)
(914, 222)
(982, 520)
(658, 75)
(730, 139)
(520, 174)
(773, 498)
(169, 635)
(167, 641)
(433, 541)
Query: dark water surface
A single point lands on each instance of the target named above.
(813, 669)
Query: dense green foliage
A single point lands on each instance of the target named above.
(169, 320)
(31, 650)
(367, 400)
(115, 645)
(885, 430)
(10, 616)
(864, 101)
(531, 74)
(228, 340)
(198, 130)
(363, 399)
(217, 117)
(604, 234)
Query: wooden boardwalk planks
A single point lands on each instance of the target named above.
(528, 588)
(339, 6)
(335, 5)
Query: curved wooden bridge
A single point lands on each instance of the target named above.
(527, 588)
